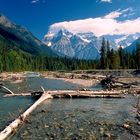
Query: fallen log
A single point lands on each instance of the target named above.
(76, 93)
(134, 91)
(7, 89)
(22, 94)
(113, 82)
(9, 130)
(87, 96)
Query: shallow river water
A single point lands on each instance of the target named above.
(71, 119)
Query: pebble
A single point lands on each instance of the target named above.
(43, 111)
(101, 130)
(126, 126)
(46, 126)
(73, 120)
(25, 134)
(81, 129)
(138, 123)
(92, 137)
(108, 134)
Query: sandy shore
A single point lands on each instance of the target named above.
(129, 79)
(88, 80)
(78, 79)
(82, 82)
(81, 79)
(19, 77)
(16, 77)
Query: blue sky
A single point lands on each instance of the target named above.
(38, 15)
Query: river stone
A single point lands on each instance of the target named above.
(102, 130)
(127, 126)
(108, 134)
(81, 129)
(92, 137)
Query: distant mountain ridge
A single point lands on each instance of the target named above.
(62, 42)
(73, 45)
(133, 46)
(21, 38)
(84, 45)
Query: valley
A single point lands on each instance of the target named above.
(70, 70)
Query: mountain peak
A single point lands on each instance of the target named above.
(77, 45)
(80, 45)
(133, 46)
(5, 21)
(64, 32)
(21, 38)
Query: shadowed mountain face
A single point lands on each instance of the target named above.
(21, 38)
(133, 46)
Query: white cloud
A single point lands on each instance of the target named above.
(34, 1)
(113, 15)
(106, 25)
(125, 13)
(128, 10)
(109, 1)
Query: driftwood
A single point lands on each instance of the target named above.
(9, 130)
(5, 88)
(134, 91)
(112, 82)
(22, 94)
(82, 93)
(76, 93)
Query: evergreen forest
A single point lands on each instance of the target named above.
(14, 59)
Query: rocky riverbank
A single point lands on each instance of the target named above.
(91, 78)
(85, 116)
(82, 78)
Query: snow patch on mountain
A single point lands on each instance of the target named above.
(83, 45)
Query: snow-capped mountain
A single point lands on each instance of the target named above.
(83, 45)
(122, 40)
(133, 46)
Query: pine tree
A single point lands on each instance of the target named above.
(121, 56)
(114, 58)
(108, 55)
(138, 56)
(103, 55)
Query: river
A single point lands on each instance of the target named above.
(67, 118)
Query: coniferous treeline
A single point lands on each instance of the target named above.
(118, 59)
(13, 59)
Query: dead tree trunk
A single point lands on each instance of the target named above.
(9, 130)
(5, 88)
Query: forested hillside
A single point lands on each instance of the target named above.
(14, 59)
